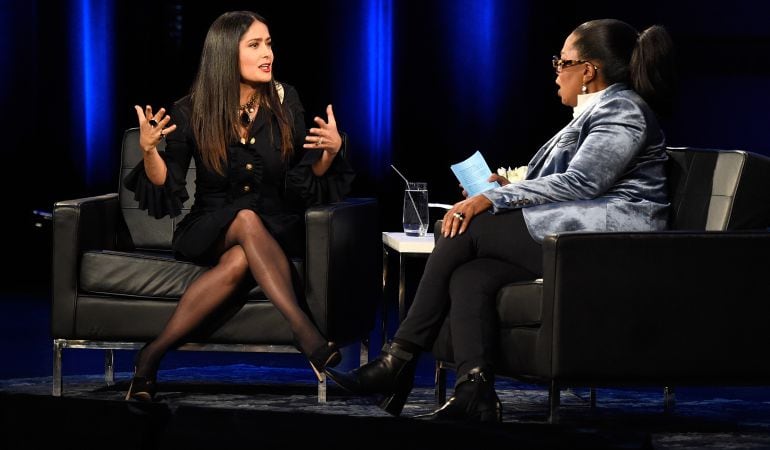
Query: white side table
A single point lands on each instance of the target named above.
(407, 247)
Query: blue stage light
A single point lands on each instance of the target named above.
(379, 63)
(92, 87)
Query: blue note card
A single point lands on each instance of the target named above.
(473, 174)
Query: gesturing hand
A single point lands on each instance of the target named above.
(152, 127)
(325, 137)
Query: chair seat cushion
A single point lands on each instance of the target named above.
(154, 275)
(520, 304)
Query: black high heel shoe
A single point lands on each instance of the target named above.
(475, 400)
(391, 375)
(325, 356)
(141, 389)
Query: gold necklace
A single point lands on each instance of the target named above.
(248, 109)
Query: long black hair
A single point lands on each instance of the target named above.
(216, 91)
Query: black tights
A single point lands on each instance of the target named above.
(461, 280)
(247, 247)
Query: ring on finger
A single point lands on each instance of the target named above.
(459, 216)
(153, 123)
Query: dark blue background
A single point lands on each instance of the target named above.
(459, 75)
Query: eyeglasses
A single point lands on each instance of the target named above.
(561, 64)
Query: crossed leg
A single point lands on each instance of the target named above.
(248, 248)
(200, 300)
(270, 268)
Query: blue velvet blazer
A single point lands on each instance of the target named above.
(604, 171)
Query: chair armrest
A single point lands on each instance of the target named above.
(343, 267)
(78, 225)
(656, 307)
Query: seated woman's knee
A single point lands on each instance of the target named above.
(247, 217)
(247, 221)
(245, 226)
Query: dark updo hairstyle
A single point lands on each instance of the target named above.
(643, 60)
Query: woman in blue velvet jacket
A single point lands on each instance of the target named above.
(604, 171)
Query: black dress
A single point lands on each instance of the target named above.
(256, 178)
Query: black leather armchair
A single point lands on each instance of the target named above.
(115, 282)
(681, 307)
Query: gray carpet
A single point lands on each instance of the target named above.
(238, 404)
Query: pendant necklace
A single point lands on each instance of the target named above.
(247, 110)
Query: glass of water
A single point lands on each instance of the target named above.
(415, 217)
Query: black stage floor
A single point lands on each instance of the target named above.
(243, 405)
(220, 400)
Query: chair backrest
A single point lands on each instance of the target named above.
(718, 189)
(147, 232)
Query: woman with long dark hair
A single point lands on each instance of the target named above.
(256, 172)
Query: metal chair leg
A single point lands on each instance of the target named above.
(322, 389)
(669, 399)
(554, 399)
(363, 356)
(439, 382)
(109, 367)
(56, 388)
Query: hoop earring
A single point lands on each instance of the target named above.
(583, 89)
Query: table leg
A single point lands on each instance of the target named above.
(401, 288)
(384, 321)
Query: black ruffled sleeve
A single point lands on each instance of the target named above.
(159, 201)
(332, 186)
(166, 200)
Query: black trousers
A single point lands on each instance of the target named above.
(461, 280)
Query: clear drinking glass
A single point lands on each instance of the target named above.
(415, 217)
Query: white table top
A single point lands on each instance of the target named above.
(402, 243)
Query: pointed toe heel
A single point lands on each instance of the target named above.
(328, 355)
(346, 380)
(142, 389)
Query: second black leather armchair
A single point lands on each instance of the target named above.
(681, 307)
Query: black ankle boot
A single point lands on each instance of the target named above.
(475, 400)
(391, 375)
